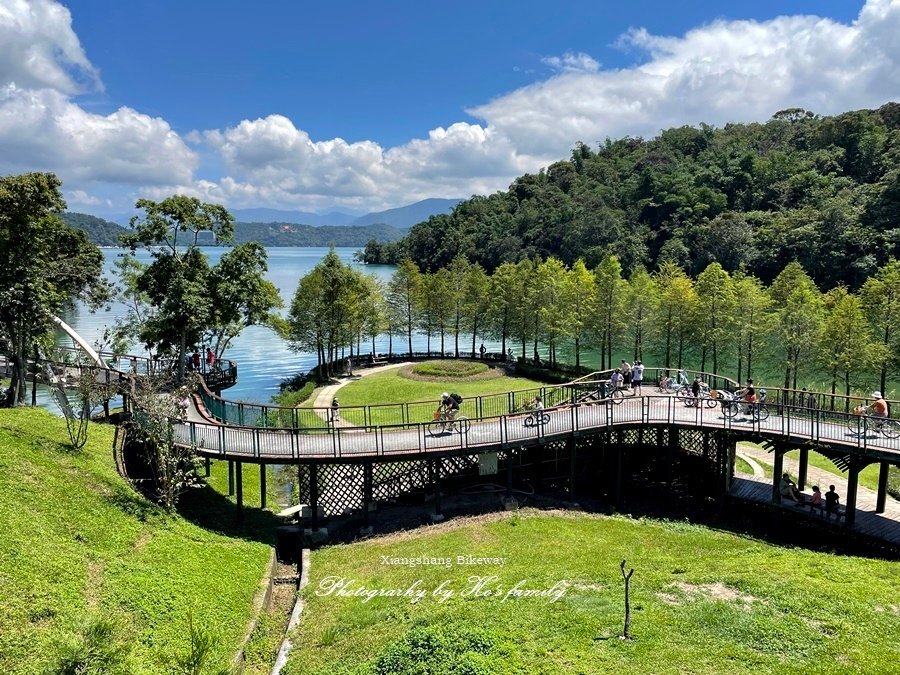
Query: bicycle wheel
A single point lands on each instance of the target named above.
(855, 423)
(530, 421)
(761, 412)
(710, 402)
(462, 425)
(671, 387)
(687, 398)
(545, 418)
(730, 408)
(891, 428)
(436, 428)
(617, 396)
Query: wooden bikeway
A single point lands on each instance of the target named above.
(794, 425)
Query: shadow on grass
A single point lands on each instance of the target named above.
(207, 508)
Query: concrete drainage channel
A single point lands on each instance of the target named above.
(286, 644)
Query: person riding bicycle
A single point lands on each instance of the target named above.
(616, 379)
(448, 408)
(877, 408)
(747, 395)
(537, 407)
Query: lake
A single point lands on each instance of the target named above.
(262, 356)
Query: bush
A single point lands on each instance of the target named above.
(445, 369)
(434, 649)
(99, 649)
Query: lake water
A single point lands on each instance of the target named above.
(263, 357)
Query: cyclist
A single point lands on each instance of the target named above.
(747, 395)
(537, 408)
(616, 379)
(448, 408)
(877, 408)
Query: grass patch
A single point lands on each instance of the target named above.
(741, 466)
(453, 370)
(702, 600)
(290, 398)
(79, 543)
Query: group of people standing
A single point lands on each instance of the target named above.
(194, 362)
(628, 376)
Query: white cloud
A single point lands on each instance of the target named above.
(82, 198)
(722, 72)
(41, 129)
(570, 62)
(38, 48)
(725, 71)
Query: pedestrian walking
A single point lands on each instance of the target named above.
(637, 377)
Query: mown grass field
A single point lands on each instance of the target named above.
(79, 543)
(703, 601)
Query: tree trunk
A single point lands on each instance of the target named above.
(626, 630)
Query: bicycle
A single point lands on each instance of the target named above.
(686, 395)
(616, 396)
(860, 424)
(734, 405)
(444, 424)
(537, 416)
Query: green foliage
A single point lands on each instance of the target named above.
(453, 649)
(290, 397)
(97, 649)
(79, 543)
(99, 231)
(449, 369)
(704, 600)
(823, 191)
(195, 659)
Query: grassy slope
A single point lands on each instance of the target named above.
(809, 611)
(77, 540)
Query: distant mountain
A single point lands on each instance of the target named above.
(405, 217)
(101, 232)
(292, 234)
(296, 217)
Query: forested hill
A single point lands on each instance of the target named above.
(105, 233)
(101, 232)
(824, 191)
(290, 234)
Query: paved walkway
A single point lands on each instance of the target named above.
(758, 488)
(323, 400)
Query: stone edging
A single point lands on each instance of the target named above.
(261, 601)
(287, 645)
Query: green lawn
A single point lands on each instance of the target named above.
(79, 543)
(703, 601)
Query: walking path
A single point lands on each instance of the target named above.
(323, 400)
(758, 488)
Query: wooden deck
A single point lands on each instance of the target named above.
(885, 526)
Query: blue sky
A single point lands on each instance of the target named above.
(362, 106)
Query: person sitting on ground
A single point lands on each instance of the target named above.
(788, 490)
(816, 502)
(832, 501)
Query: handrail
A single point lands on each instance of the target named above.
(505, 430)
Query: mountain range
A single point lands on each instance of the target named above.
(274, 227)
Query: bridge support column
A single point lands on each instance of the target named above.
(436, 472)
(852, 486)
(777, 470)
(367, 492)
(671, 449)
(509, 474)
(314, 496)
(617, 487)
(804, 465)
(230, 477)
(881, 497)
(263, 498)
(572, 459)
(239, 479)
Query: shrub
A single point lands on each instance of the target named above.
(455, 650)
(98, 649)
(444, 369)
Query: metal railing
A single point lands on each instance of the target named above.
(508, 430)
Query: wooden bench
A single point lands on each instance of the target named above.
(839, 512)
(377, 361)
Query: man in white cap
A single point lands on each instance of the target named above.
(878, 407)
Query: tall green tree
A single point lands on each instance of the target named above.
(750, 320)
(640, 307)
(503, 308)
(239, 295)
(610, 319)
(554, 309)
(456, 284)
(880, 296)
(177, 281)
(797, 307)
(583, 296)
(676, 312)
(845, 342)
(44, 265)
(477, 301)
(403, 297)
(715, 299)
